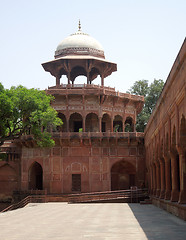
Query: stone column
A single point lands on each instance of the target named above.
(167, 178)
(151, 180)
(84, 127)
(157, 179)
(68, 124)
(154, 179)
(174, 171)
(100, 118)
(135, 127)
(182, 159)
(112, 119)
(102, 80)
(162, 173)
(68, 77)
(57, 80)
(123, 126)
(88, 77)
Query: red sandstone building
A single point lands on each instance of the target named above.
(165, 141)
(97, 148)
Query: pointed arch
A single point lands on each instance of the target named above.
(118, 124)
(77, 71)
(94, 73)
(183, 130)
(75, 122)
(63, 128)
(122, 175)
(92, 123)
(106, 123)
(129, 124)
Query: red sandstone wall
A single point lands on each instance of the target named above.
(9, 178)
(93, 160)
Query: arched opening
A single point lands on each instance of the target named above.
(129, 125)
(63, 77)
(95, 76)
(118, 124)
(36, 176)
(183, 131)
(176, 164)
(76, 72)
(92, 123)
(106, 123)
(122, 176)
(97, 81)
(75, 122)
(80, 81)
(62, 128)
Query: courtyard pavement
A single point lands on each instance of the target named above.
(62, 221)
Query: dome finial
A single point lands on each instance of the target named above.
(79, 26)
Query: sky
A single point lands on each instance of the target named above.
(142, 36)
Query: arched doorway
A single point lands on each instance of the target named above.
(36, 176)
(129, 126)
(106, 123)
(92, 123)
(62, 128)
(122, 176)
(75, 122)
(118, 124)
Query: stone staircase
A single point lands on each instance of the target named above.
(125, 196)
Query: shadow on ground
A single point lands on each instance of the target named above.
(158, 224)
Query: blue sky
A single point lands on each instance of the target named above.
(142, 36)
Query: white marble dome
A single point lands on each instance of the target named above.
(79, 43)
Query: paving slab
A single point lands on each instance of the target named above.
(108, 221)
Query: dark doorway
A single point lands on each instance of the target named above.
(103, 126)
(132, 180)
(77, 125)
(122, 176)
(36, 177)
(76, 182)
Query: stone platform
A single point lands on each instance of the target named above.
(58, 221)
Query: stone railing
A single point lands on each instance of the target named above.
(86, 86)
(106, 90)
(97, 134)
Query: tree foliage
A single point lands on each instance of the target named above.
(27, 111)
(151, 94)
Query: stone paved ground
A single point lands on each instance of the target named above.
(62, 221)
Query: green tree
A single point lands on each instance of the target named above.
(151, 94)
(140, 88)
(27, 111)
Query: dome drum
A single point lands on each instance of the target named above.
(79, 51)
